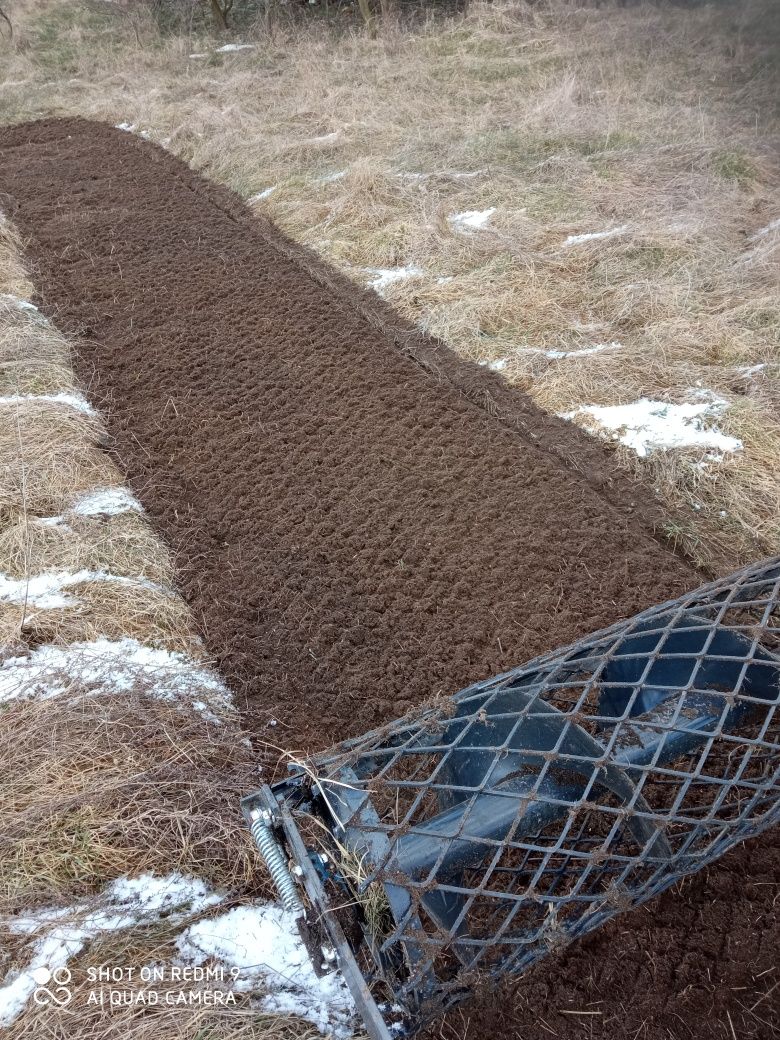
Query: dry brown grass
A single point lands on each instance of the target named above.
(96, 788)
(34, 358)
(49, 454)
(566, 120)
(13, 276)
(101, 608)
(122, 544)
(103, 787)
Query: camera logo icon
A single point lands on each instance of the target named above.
(52, 986)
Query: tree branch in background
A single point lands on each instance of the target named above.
(220, 12)
(368, 17)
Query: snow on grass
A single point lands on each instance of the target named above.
(324, 138)
(597, 348)
(132, 128)
(330, 178)
(59, 933)
(457, 175)
(106, 666)
(592, 236)
(77, 401)
(263, 194)
(260, 942)
(471, 219)
(52, 521)
(384, 276)
(110, 501)
(263, 943)
(231, 48)
(106, 502)
(45, 591)
(748, 371)
(19, 302)
(647, 425)
(773, 225)
(557, 355)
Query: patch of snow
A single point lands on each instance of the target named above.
(52, 521)
(684, 227)
(132, 128)
(200, 54)
(592, 236)
(773, 225)
(46, 590)
(471, 219)
(596, 348)
(445, 279)
(329, 178)
(384, 276)
(106, 666)
(60, 933)
(77, 401)
(577, 352)
(324, 138)
(18, 302)
(231, 48)
(263, 942)
(647, 425)
(454, 174)
(263, 194)
(106, 501)
(748, 371)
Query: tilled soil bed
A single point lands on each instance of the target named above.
(363, 522)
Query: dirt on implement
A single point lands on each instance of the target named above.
(363, 522)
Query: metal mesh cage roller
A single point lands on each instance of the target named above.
(491, 828)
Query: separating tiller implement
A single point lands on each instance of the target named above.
(490, 829)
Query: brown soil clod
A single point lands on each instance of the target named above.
(361, 521)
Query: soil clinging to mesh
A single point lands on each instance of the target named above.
(362, 521)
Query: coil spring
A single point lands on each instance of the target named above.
(275, 860)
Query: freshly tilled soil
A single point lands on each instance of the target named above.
(363, 522)
(356, 534)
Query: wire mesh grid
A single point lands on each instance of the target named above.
(496, 826)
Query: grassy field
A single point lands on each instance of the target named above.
(456, 166)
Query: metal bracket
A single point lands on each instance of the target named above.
(265, 800)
